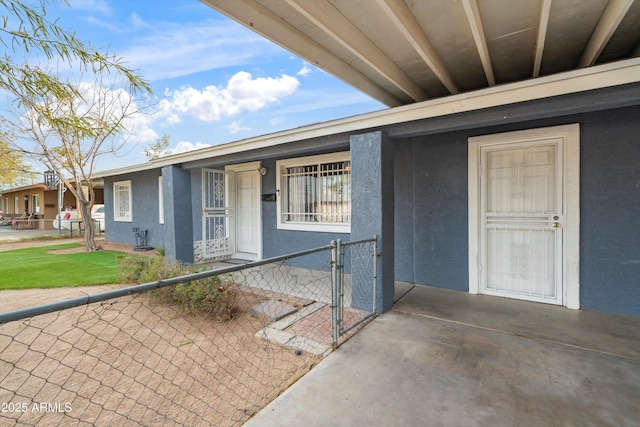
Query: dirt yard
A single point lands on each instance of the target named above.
(135, 361)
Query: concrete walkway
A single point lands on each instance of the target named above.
(446, 358)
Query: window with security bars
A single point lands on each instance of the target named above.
(315, 193)
(122, 201)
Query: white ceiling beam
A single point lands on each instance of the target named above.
(407, 24)
(257, 18)
(475, 22)
(339, 28)
(543, 24)
(611, 18)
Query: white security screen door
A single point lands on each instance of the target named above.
(248, 213)
(217, 214)
(521, 219)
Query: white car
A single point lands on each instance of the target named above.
(97, 213)
(67, 217)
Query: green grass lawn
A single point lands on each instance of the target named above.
(35, 268)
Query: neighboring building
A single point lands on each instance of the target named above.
(40, 200)
(507, 164)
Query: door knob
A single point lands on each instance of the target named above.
(556, 225)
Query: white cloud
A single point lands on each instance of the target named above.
(184, 146)
(242, 93)
(169, 50)
(304, 70)
(236, 127)
(114, 105)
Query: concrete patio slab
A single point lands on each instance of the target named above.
(472, 366)
(607, 333)
(272, 310)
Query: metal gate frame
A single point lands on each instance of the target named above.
(338, 326)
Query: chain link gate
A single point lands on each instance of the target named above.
(353, 280)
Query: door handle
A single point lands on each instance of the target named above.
(556, 225)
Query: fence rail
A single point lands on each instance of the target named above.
(125, 357)
(66, 227)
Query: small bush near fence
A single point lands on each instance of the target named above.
(211, 296)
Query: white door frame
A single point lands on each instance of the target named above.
(571, 242)
(255, 168)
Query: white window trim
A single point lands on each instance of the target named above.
(129, 216)
(160, 201)
(35, 202)
(281, 165)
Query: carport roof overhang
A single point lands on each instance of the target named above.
(573, 82)
(401, 52)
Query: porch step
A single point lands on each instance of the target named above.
(272, 310)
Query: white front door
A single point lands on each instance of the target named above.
(521, 213)
(522, 216)
(248, 214)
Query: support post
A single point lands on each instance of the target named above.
(178, 224)
(372, 214)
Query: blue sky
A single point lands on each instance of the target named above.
(216, 81)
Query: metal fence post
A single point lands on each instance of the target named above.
(334, 294)
(336, 289)
(340, 287)
(375, 274)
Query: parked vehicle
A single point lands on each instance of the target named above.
(97, 213)
(67, 217)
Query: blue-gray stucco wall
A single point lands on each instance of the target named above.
(431, 211)
(610, 212)
(431, 218)
(145, 196)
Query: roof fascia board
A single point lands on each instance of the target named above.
(597, 77)
(24, 188)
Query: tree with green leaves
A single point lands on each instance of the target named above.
(68, 124)
(13, 169)
(158, 149)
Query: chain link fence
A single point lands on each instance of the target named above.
(125, 357)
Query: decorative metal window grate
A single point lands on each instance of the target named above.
(318, 193)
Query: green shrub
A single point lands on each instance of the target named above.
(211, 296)
(143, 269)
